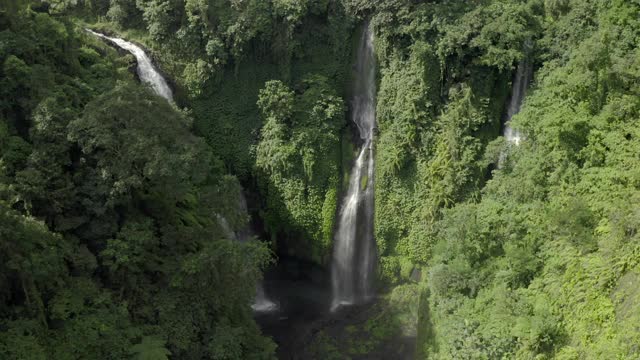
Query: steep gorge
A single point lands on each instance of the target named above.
(464, 246)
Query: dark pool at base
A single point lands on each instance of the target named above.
(302, 291)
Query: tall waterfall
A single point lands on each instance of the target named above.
(354, 253)
(521, 81)
(146, 71)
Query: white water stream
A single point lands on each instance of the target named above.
(149, 74)
(521, 81)
(354, 253)
(146, 71)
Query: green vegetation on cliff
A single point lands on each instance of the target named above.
(299, 155)
(221, 54)
(540, 259)
(108, 246)
(111, 199)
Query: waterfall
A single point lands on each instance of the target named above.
(261, 303)
(354, 253)
(521, 81)
(145, 69)
(149, 75)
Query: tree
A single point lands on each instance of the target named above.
(274, 150)
(161, 17)
(122, 12)
(138, 142)
(150, 349)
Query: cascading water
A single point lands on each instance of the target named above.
(261, 303)
(354, 253)
(149, 75)
(521, 81)
(146, 71)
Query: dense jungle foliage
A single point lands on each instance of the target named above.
(111, 244)
(109, 248)
(539, 258)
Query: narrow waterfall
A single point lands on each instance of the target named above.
(149, 75)
(261, 303)
(521, 81)
(146, 71)
(354, 253)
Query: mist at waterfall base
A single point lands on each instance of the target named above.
(147, 73)
(354, 255)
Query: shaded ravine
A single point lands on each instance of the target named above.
(354, 253)
(150, 75)
(147, 73)
(261, 302)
